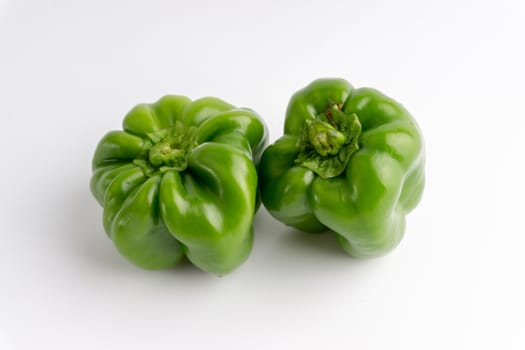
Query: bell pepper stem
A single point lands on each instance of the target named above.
(167, 149)
(325, 138)
(328, 141)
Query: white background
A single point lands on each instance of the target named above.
(69, 71)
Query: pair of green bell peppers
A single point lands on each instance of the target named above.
(184, 177)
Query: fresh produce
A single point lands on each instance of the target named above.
(180, 180)
(350, 161)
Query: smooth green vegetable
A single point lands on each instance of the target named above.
(181, 180)
(350, 161)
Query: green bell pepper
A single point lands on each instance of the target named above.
(350, 161)
(181, 180)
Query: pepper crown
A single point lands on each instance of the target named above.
(167, 149)
(328, 141)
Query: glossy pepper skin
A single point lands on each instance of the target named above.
(180, 180)
(350, 161)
